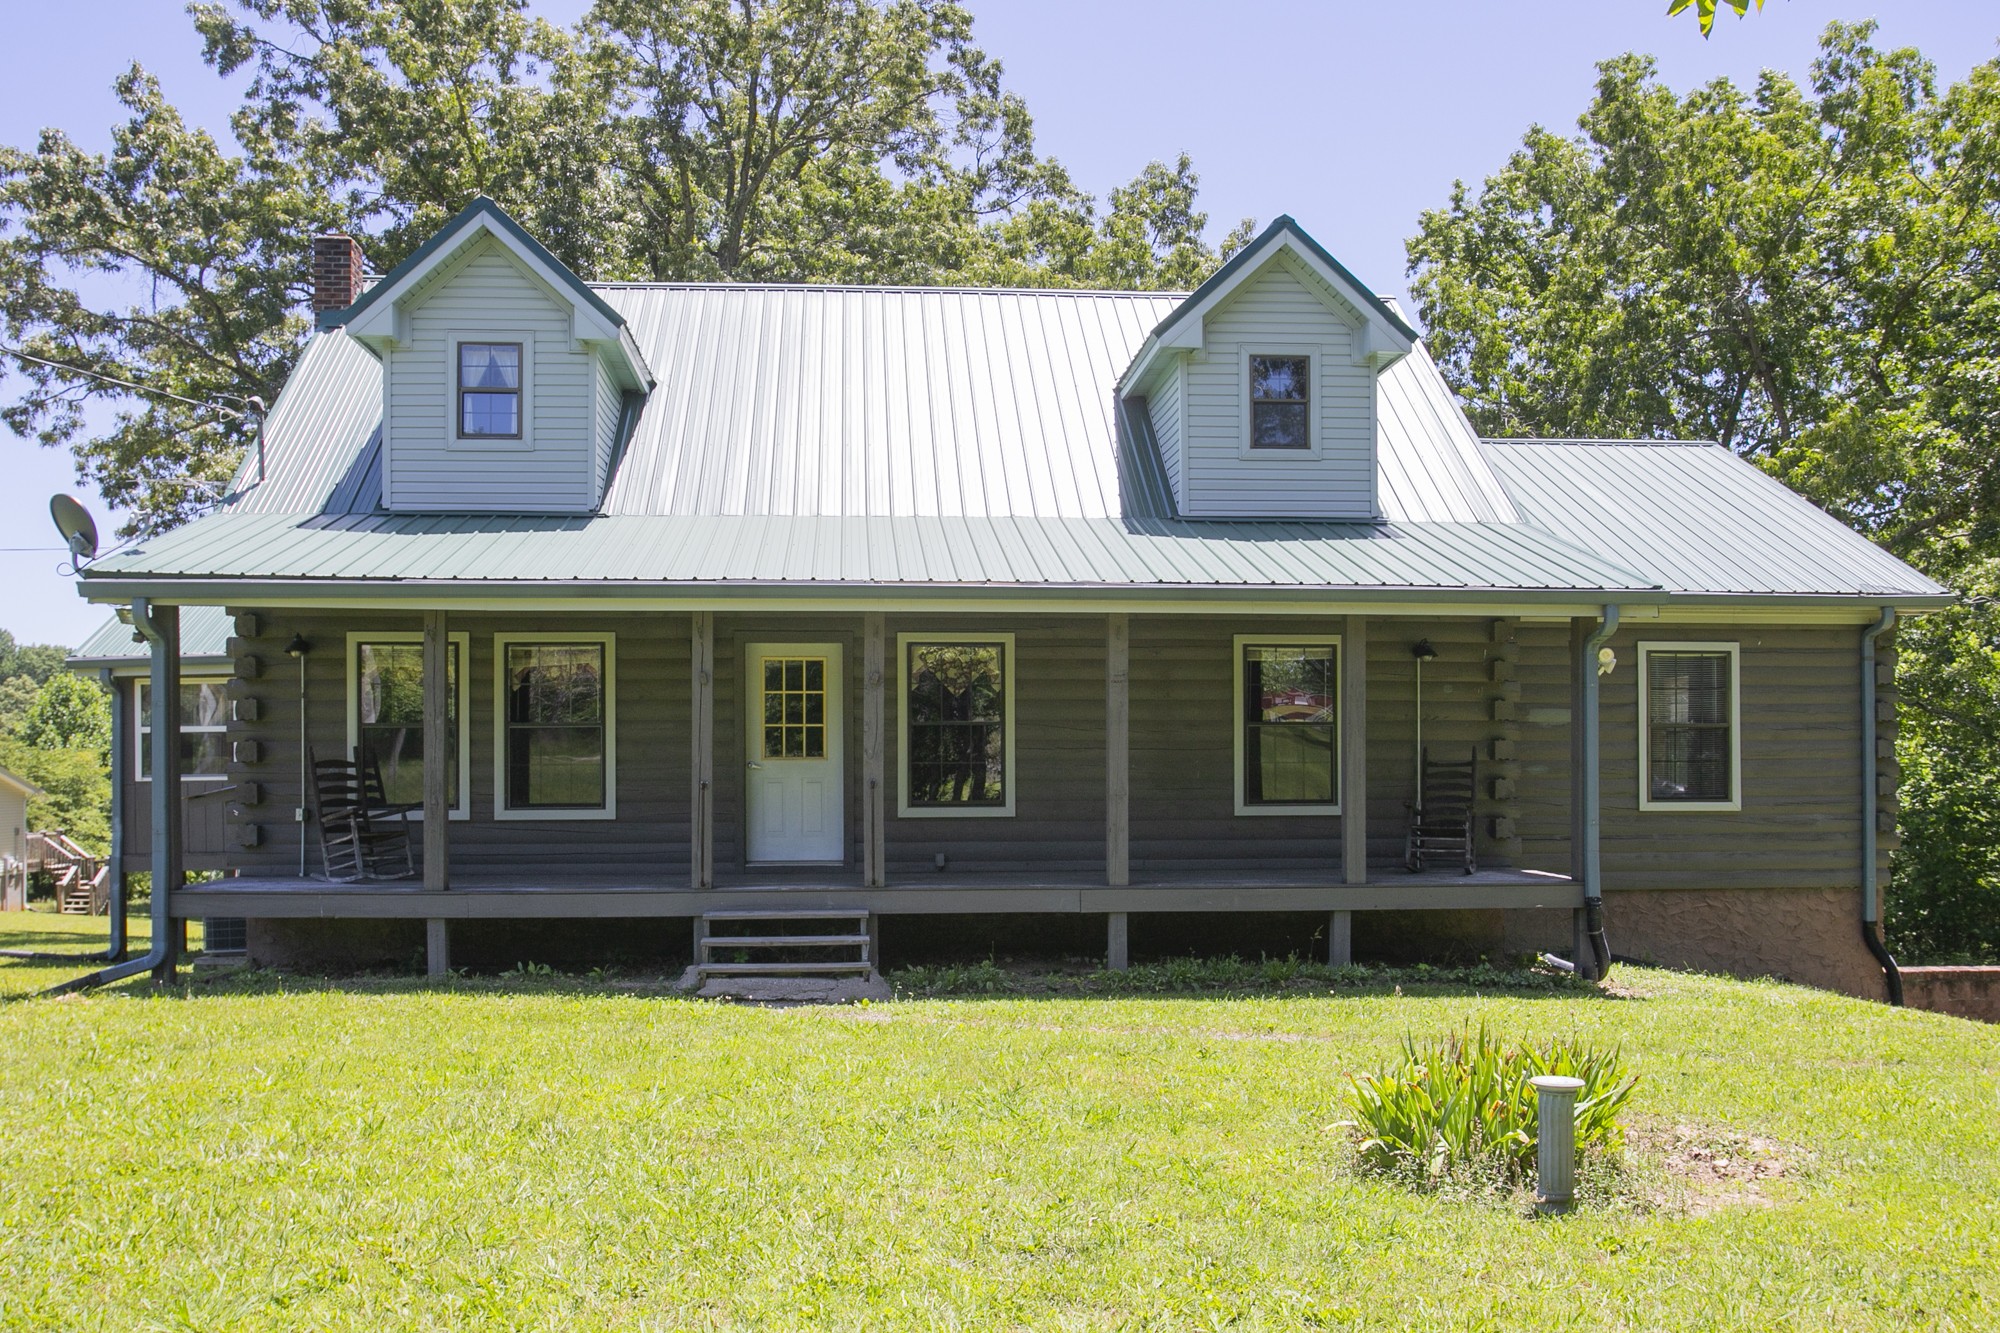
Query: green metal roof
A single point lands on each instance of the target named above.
(1697, 520)
(205, 634)
(969, 555)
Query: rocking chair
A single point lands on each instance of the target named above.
(361, 834)
(1441, 818)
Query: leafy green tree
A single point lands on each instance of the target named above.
(1809, 275)
(76, 789)
(69, 713)
(17, 696)
(36, 661)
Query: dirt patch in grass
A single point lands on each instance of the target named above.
(1701, 1169)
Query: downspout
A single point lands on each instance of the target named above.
(115, 950)
(1593, 799)
(1871, 888)
(166, 707)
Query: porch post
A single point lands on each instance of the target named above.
(1354, 751)
(1117, 751)
(873, 823)
(1117, 944)
(701, 822)
(438, 751)
(437, 946)
(165, 686)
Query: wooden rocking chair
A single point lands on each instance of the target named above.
(1441, 818)
(361, 834)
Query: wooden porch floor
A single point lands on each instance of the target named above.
(573, 895)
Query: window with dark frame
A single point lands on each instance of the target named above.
(555, 726)
(956, 726)
(489, 391)
(1690, 715)
(204, 730)
(1280, 402)
(1291, 731)
(389, 713)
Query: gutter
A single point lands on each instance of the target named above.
(160, 957)
(1593, 800)
(1871, 888)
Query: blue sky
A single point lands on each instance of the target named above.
(1353, 117)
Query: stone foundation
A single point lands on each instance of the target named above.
(1964, 992)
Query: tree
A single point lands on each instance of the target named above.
(796, 140)
(1809, 275)
(36, 661)
(69, 713)
(1705, 10)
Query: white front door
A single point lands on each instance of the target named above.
(793, 739)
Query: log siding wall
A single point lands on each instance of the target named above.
(1503, 687)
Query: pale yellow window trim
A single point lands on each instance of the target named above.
(461, 808)
(1009, 779)
(1734, 651)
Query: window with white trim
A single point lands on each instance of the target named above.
(204, 730)
(1287, 725)
(385, 714)
(957, 697)
(554, 726)
(1690, 747)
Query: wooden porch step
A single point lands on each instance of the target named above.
(779, 941)
(789, 914)
(771, 969)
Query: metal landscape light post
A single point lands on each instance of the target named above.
(1555, 1139)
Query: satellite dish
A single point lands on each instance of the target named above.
(75, 524)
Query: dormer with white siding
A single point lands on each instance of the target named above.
(508, 384)
(1261, 386)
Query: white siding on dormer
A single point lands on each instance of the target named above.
(610, 403)
(1278, 311)
(554, 469)
(1163, 405)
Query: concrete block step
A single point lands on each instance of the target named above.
(777, 941)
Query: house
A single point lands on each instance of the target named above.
(666, 600)
(15, 793)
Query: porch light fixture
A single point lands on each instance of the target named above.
(297, 650)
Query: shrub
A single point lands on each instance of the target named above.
(1464, 1102)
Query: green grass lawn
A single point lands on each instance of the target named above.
(560, 1153)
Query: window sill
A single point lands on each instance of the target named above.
(546, 816)
(965, 812)
(1693, 807)
(1259, 810)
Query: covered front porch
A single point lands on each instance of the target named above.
(1124, 787)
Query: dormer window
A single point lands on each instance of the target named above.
(489, 391)
(1280, 402)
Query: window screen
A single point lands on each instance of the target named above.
(957, 725)
(1290, 724)
(389, 705)
(1689, 716)
(1280, 402)
(555, 726)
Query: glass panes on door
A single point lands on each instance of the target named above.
(794, 708)
(1689, 715)
(555, 726)
(957, 725)
(389, 707)
(1290, 724)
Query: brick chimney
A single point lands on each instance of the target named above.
(336, 272)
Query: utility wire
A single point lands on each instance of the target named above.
(123, 384)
